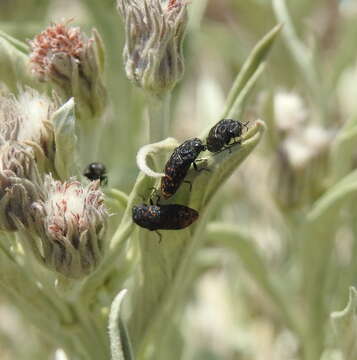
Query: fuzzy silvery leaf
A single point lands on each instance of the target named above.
(299, 51)
(14, 63)
(118, 335)
(345, 326)
(317, 245)
(64, 123)
(251, 65)
(342, 149)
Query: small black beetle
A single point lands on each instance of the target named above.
(177, 166)
(96, 171)
(163, 217)
(223, 132)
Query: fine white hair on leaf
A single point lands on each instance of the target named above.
(150, 149)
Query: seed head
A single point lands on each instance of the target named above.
(20, 185)
(71, 223)
(27, 119)
(154, 33)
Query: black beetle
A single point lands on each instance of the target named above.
(96, 171)
(222, 133)
(177, 166)
(163, 217)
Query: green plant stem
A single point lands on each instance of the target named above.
(159, 117)
(302, 55)
(118, 196)
(114, 255)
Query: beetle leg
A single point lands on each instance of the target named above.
(159, 235)
(104, 180)
(155, 192)
(246, 125)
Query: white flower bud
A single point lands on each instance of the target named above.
(154, 33)
(71, 223)
(20, 184)
(74, 64)
(289, 111)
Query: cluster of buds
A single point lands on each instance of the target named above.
(26, 139)
(154, 31)
(74, 64)
(302, 154)
(70, 221)
(64, 221)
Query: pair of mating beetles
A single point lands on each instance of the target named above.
(174, 216)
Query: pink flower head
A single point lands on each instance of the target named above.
(71, 223)
(56, 39)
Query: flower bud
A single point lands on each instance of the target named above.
(290, 112)
(155, 31)
(74, 63)
(20, 184)
(71, 223)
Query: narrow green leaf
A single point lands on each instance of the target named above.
(222, 165)
(317, 245)
(342, 150)
(14, 66)
(329, 204)
(237, 107)
(256, 57)
(119, 339)
(19, 45)
(345, 326)
(300, 53)
(100, 49)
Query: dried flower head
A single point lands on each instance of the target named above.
(20, 184)
(27, 119)
(155, 31)
(71, 223)
(74, 63)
